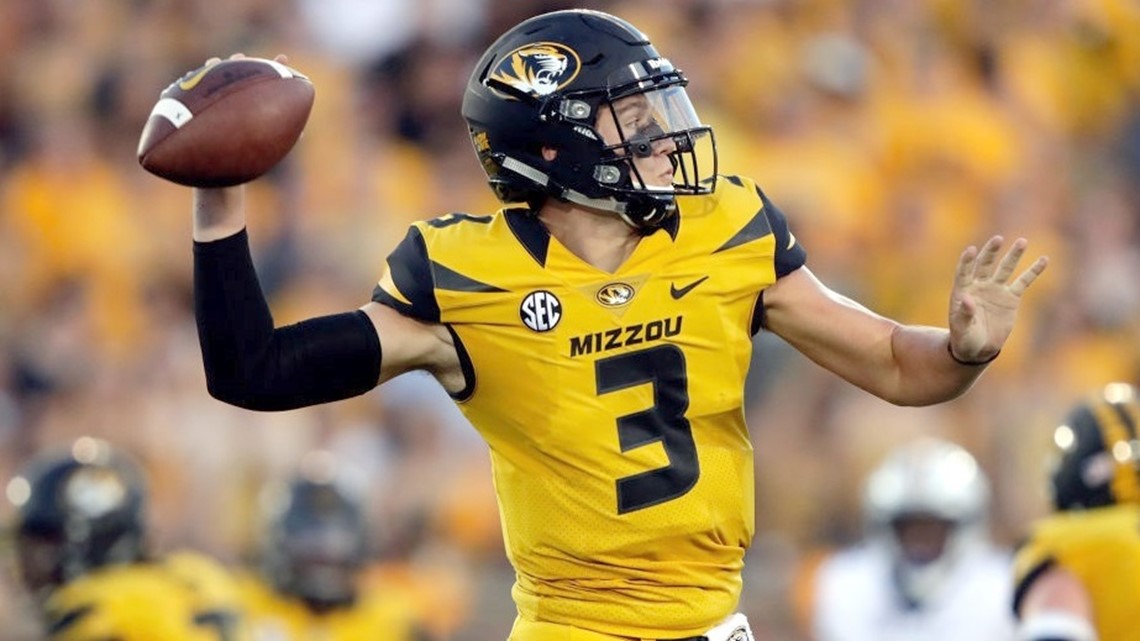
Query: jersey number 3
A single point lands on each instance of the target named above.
(664, 421)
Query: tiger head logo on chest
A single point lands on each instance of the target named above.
(614, 294)
(617, 295)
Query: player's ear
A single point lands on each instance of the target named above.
(549, 153)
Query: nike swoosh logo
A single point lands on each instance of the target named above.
(678, 293)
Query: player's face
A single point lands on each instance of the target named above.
(324, 559)
(633, 120)
(39, 558)
(922, 538)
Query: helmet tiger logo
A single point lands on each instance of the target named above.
(538, 69)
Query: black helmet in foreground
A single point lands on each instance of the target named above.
(573, 105)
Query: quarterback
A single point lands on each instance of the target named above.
(597, 330)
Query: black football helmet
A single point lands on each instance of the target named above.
(1098, 451)
(77, 511)
(316, 540)
(548, 81)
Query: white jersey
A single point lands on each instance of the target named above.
(855, 599)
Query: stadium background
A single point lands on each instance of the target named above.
(892, 132)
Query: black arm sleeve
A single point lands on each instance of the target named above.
(252, 365)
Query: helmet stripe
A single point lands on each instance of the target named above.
(1125, 483)
(1129, 412)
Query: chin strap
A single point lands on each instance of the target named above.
(602, 204)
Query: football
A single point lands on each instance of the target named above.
(226, 123)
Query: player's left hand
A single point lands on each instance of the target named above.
(984, 301)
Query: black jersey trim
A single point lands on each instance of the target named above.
(69, 618)
(672, 225)
(465, 365)
(1022, 587)
(411, 272)
(756, 228)
(530, 232)
(451, 280)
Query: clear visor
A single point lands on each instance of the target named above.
(658, 134)
(655, 113)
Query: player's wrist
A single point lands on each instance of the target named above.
(970, 362)
(218, 212)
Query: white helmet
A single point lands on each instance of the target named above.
(928, 503)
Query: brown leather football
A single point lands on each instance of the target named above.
(226, 123)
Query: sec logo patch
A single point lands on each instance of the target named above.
(541, 311)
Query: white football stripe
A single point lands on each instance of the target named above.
(172, 110)
(282, 70)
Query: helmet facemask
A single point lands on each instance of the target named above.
(320, 561)
(629, 147)
(925, 547)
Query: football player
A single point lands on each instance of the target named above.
(926, 570)
(597, 331)
(314, 550)
(1078, 572)
(81, 551)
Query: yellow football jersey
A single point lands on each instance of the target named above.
(1102, 548)
(377, 614)
(186, 597)
(612, 402)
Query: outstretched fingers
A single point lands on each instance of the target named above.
(1027, 277)
(978, 264)
(987, 258)
(965, 271)
(1010, 260)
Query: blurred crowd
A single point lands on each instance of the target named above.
(893, 133)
